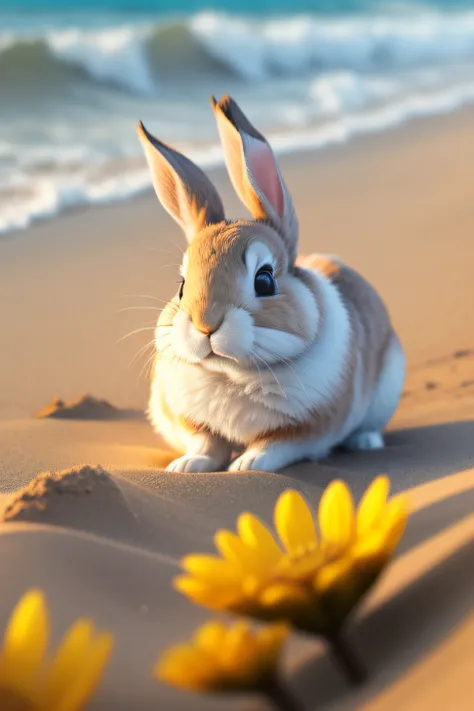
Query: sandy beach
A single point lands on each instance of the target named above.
(106, 541)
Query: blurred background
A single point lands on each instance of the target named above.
(75, 77)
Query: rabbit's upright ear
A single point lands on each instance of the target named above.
(254, 172)
(182, 188)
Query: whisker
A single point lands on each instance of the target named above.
(141, 352)
(148, 362)
(170, 305)
(162, 266)
(139, 308)
(285, 361)
(137, 330)
(271, 371)
(158, 249)
(325, 392)
(165, 348)
(143, 296)
(259, 373)
(178, 246)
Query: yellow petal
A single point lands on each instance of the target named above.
(375, 548)
(241, 661)
(179, 654)
(372, 505)
(336, 515)
(294, 522)
(395, 519)
(238, 643)
(255, 535)
(182, 667)
(234, 550)
(67, 661)
(270, 640)
(333, 575)
(174, 675)
(284, 596)
(213, 596)
(25, 640)
(371, 550)
(195, 590)
(273, 634)
(246, 657)
(209, 568)
(299, 567)
(182, 656)
(210, 637)
(228, 544)
(88, 674)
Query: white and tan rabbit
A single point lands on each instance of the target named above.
(261, 353)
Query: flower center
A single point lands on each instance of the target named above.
(303, 551)
(301, 564)
(12, 700)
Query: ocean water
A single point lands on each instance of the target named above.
(73, 83)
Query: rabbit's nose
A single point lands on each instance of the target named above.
(209, 319)
(207, 330)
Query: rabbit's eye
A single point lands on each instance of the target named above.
(265, 284)
(181, 289)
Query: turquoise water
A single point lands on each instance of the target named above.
(238, 6)
(75, 79)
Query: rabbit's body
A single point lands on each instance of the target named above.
(343, 390)
(312, 364)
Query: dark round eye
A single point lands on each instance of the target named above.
(181, 289)
(265, 284)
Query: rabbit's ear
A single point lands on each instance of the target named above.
(254, 172)
(182, 188)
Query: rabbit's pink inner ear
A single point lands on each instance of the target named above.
(264, 174)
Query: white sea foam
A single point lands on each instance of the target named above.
(305, 82)
(132, 55)
(117, 55)
(347, 91)
(256, 50)
(51, 196)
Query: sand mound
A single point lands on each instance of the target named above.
(84, 497)
(87, 407)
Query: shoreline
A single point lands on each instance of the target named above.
(286, 148)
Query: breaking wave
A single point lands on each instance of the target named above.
(138, 58)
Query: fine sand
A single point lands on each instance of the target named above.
(104, 536)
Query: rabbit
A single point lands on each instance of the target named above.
(263, 358)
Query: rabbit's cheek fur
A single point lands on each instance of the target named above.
(287, 324)
(272, 345)
(187, 342)
(234, 339)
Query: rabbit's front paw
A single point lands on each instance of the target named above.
(194, 463)
(274, 456)
(253, 460)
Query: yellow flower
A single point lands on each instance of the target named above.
(224, 659)
(30, 682)
(315, 577)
